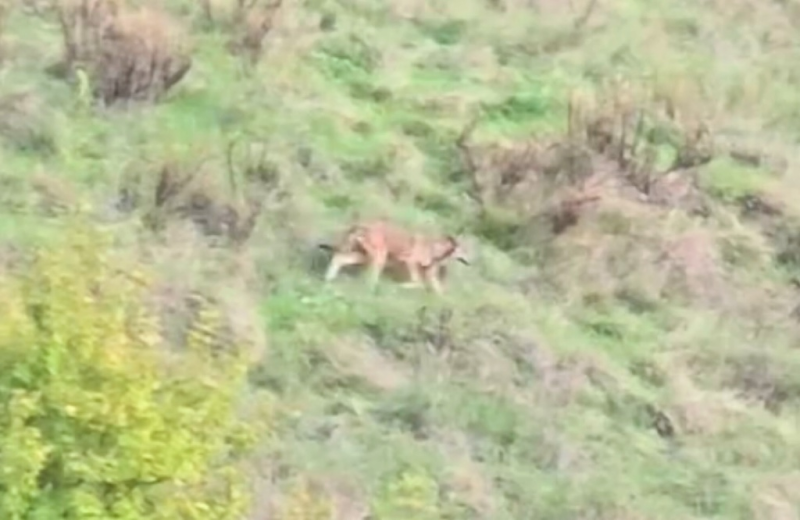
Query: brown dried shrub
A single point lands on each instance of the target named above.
(550, 181)
(610, 148)
(248, 21)
(624, 127)
(253, 20)
(523, 174)
(83, 24)
(177, 189)
(192, 195)
(129, 54)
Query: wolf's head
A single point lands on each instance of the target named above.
(449, 247)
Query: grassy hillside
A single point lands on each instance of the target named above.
(638, 362)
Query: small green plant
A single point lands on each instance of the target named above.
(84, 89)
(729, 180)
(412, 494)
(96, 421)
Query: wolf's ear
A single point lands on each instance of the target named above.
(459, 232)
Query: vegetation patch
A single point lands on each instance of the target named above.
(622, 344)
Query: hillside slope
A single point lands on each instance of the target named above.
(634, 356)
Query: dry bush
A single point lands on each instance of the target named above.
(254, 20)
(193, 196)
(173, 190)
(521, 173)
(249, 22)
(624, 126)
(550, 180)
(83, 26)
(610, 149)
(129, 54)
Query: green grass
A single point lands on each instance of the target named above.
(525, 392)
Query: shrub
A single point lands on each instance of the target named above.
(95, 422)
(248, 22)
(253, 20)
(187, 189)
(83, 23)
(128, 54)
(412, 494)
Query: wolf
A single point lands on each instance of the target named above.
(380, 242)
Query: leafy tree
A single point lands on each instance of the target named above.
(99, 419)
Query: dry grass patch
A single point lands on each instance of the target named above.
(358, 357)
(700, 412)
(464, 478)
(692, 264)
(195, 279)
(129, 54)
(24, 123)
(4, 9)
(645, 255)
(776, 498)
(56, 195)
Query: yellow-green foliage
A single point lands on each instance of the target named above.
(414, 494)
(304, 503)
(95, 423)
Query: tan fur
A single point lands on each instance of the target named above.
(379, 242)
